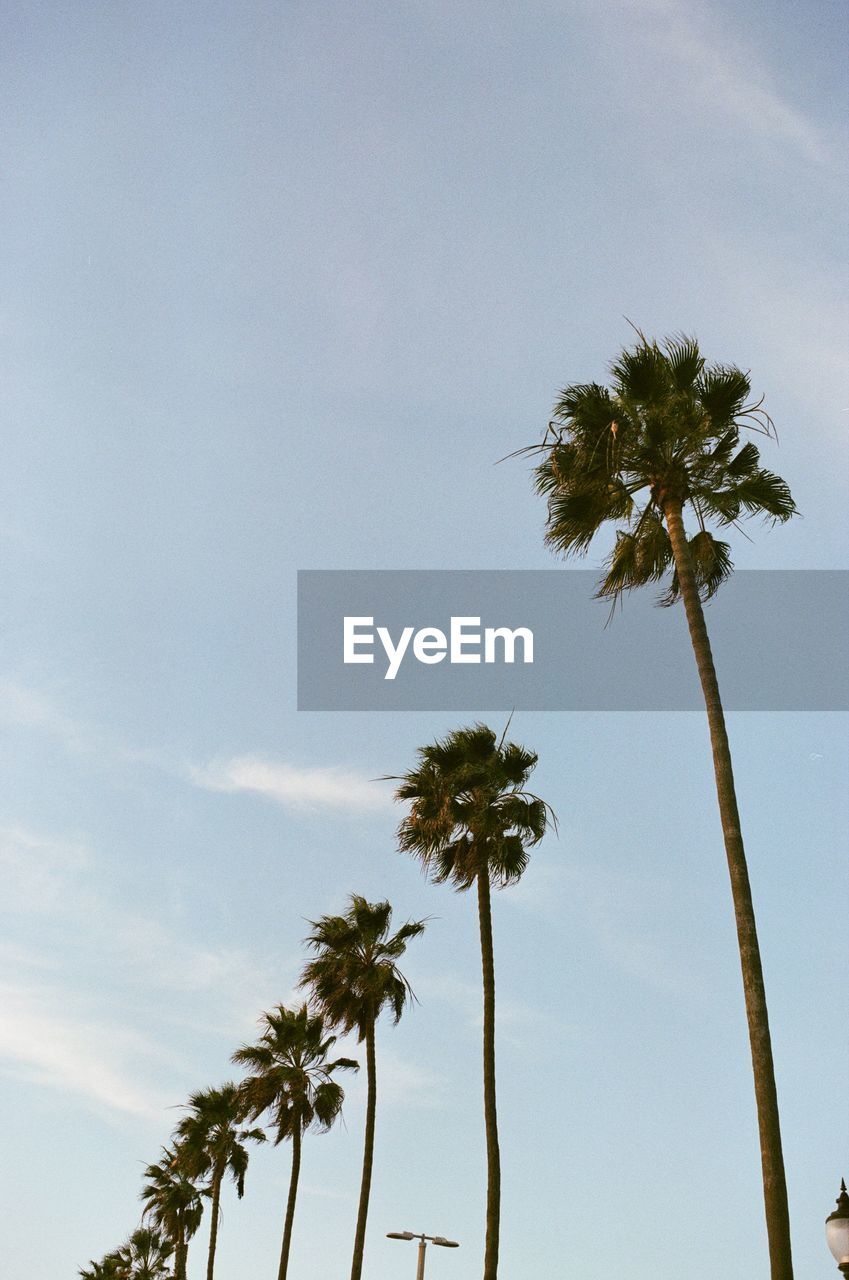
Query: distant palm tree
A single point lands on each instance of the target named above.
(664, 439)
(212, 1144)
(292, 1079)
(353, 977)
(147, 1253)
(173, 1203)
(111, 1267)
(471, 823)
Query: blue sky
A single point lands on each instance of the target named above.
(280, 285)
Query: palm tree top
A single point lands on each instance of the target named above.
(354, 974)
(666, 431)
(291, 1072)
(471, 808)
(209, 1136)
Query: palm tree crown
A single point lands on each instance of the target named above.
(172, 1202)
(470, 809)
(210, 1137)
(144, 1256)
(471, 822)
(291, 1074)
(668, 430)
(353, 977)
(112, 1266)
(355, 974)
(292, 1079)
(212, 1144)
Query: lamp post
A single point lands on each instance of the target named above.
(423, 1242)
(837, 1231)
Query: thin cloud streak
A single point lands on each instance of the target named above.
(51, 1034)
(290, 786)
(726, 74)
(95, 1060)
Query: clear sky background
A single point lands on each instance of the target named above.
(281, 282)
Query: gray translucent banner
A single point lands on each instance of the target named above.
(780, 641)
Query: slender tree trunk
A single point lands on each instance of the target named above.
(368, 1155)
(493, 1157)
(772, 1160)
(180, 1253)
(213, 1226)
(290, 1204)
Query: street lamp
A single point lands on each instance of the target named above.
(837, 1231)
(423, 1240)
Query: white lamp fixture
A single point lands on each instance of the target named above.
(837, 1231)
(423, 1243)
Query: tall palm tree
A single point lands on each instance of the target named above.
(665, 438)
(173, 1203)
(471, 823)
(292, 1079)
(212, 1144)
(353, 978)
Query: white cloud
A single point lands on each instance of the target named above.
(291, 786)
(26, 708)
(36, 870)
(103, 1042)
(724, 74)
(98, 1061)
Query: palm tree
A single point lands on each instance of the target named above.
(471, 823)
(353, 978)
(172, 1202)
(212, 1144)
(112, 1266)
(665, 438)
(145, 1255)
(292, 1079)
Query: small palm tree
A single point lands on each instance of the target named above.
(112, 1266)
(471, 823)
(292, 1079)
(212, 1144)
(666, 439)
(353, 978)
(146, 1255)
(172, 1202)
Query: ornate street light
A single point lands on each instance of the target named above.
(837, 1231)
(423, 1242)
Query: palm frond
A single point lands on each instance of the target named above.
(712, 565)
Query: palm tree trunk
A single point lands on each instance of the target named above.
(180, 1253)
(772, 1160)
(368, 1155)
(213, 1226)
(290, 1204)
(493, 1157)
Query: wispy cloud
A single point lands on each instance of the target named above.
(514, 1018)
(725, 74)
(403, 1083)
(23, 707)
(105, 1042)
(291, 786)
(100, 1061)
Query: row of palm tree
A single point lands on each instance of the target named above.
(662, 440)
(471, 822)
